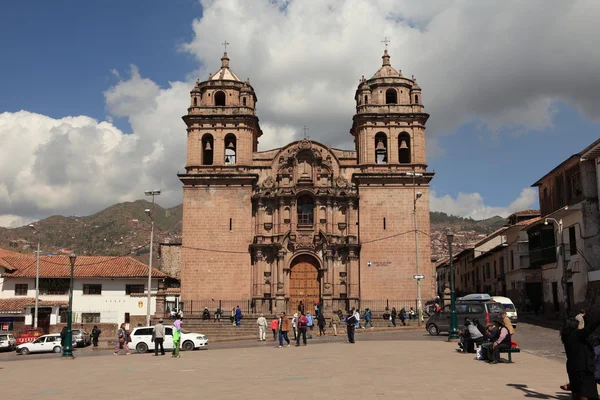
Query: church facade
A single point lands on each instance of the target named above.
(306, 222)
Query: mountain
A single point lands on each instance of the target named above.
(124, 229)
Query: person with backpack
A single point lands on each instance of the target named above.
(302, 324)
(122, 341)
(95, 335)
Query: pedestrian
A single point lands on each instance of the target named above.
(350, 325)
(317, 309)
(402, 315)
(283, 326)
(321, 323)
(262, 328)
(394, 314)
(63, 336)
(507, 323)
(302, 324)
(310, 324)
(159, 338)
(122, 341)
(232, 316)
(581, 360)
(502, 342)
(367, 318)
(411, 314)
(273, 326)
(581, 319)
(205, 314)
(176, 337)
(357, 316)
(387, 316)
(218, 315)
(300, 307)
(95, 335)
(238, 316)
(295, 324)
(336, 321)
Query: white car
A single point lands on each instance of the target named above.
(7, 341)
(141, 339)
(43, 344)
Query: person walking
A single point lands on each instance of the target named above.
(232, 316)
(159, 338)
(95, 335)
(302, 324)
(321, 323)
(310, 324)
(273, 326)
(581, 360)
(295, 324)
(300, 307)
(176, 337)
(336, 320)
(283, 326)
(238, 316)
(357, 316)
(262, 328)
(581, 319)
(394, 315)
(367, 318)
(122, 341)
(350, 325)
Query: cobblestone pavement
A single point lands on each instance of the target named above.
(369, 369)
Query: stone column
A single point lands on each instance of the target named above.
(161, 298)
(327, 284)
(352, 274)
(329, 217)
(280, 296)
(350, 217)
(259, 217)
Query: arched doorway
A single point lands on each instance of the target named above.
(304, 283)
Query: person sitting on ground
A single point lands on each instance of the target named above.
(218, 315)
(205, 314)
(402, 315)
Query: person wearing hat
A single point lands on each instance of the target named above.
(159, 338)
(502, 342)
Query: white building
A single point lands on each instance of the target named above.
(105, 290)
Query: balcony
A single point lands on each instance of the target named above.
(539, 257)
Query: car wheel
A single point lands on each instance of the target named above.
(433, 330)
(141, 348)
(25, 351)
(57, 349)
(188, 346)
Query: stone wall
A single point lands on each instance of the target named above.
(170, 259)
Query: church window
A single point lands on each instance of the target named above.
(195, 101)
(366, 99)
(243, 100)
(391, 96)
(381, 148)
(230, 224)
(404, 148)
(306, 207)
(384, 223)
(417, 98)
(286, 215)
(219, 99)
(207, 149)
(230, 149)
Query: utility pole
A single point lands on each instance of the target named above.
(150, 213)
(37, 276)
(417, 196)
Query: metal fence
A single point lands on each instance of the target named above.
(379, 306)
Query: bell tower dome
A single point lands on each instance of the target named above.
(223, 129)
(389, 124)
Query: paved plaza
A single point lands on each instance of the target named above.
(370, 369)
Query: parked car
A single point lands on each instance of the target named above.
(81, 338)
(509, 307)
(30, 335)
(141, 339)
(483, 308)
(43, 344)
(7, 341)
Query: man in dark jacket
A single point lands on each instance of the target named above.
(503, 341)
(350, 325)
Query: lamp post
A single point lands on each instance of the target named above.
(453, 320)
(37, 276)
(561, 254)
(150, 213)
(68, 349)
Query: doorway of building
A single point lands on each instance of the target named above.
(304, 284)
(534, 292)
(44, 318)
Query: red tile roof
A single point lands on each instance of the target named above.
(528, 222)
(527, 212)
(8, 253)
(17, 305)
(85, 267)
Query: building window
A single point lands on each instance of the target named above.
(230, 149)
(21, 289)
(381, 148)
(404, 148)
(92, 289)
(195, 101)
(559, 190)
(391, 96)
(306, 208)
(207, 149)
(524, 261)
(134, 289)
(501, 265)
(243, 101)
(58, 286)
(219, 99)
(416, 98)
(512, 260)
(366, 99)
(487, 271)
(6, 324)
(572, 241)
(90, 318)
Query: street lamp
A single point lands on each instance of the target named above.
(37, 276)
(68, 349)
(453, 320)
(417, 196)
(150, 213)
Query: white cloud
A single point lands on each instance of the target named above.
(473, 205)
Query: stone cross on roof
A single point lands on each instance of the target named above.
(385, 41)
(226, 43)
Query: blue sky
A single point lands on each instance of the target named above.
(508, 100)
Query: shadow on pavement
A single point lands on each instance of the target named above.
(541, 321)
(532, 394)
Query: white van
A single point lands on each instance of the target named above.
(511, 310)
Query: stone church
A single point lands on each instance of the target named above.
(306, 222)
